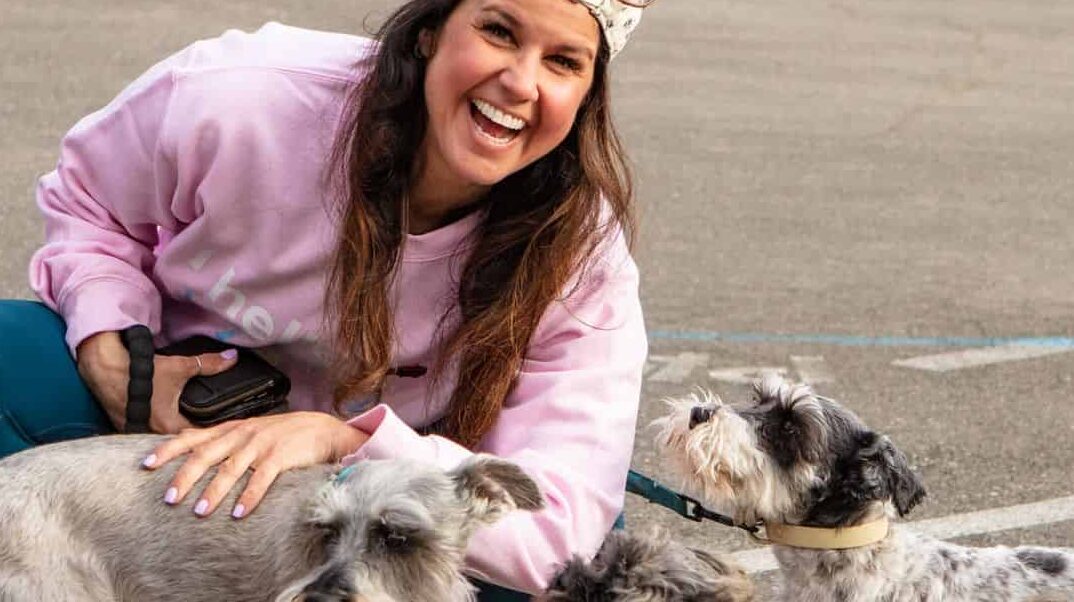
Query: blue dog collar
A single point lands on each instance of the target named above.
(342, 475)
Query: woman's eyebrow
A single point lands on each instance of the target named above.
(506, 16)
(565, 47)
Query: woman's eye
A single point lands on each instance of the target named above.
(498, 31)
(567, 63)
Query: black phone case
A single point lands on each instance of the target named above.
(252, 387)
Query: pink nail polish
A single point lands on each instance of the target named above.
(239, 511)
(230, 354)
(149, 461)
(171, 495)
(201, 507)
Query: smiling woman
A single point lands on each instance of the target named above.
(505, 80)
(466, 287)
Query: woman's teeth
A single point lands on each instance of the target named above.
(499, 117)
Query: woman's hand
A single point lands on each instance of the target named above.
(268, 445)
(104, 364)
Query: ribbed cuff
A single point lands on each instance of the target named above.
(106, 305)
(390, 437)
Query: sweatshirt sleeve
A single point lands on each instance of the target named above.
(569, 423)
(103, 208)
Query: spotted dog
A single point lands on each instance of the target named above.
(825, 486)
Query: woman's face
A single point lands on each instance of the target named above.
(505, 79)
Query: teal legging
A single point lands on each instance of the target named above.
(43, 399)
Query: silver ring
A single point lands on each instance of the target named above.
(198, 360)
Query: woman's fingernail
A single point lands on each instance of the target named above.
(230, 354)
(149, 461)
(201, 507)
(171, 495)
(239, 511)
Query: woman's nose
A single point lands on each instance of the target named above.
(520, 77)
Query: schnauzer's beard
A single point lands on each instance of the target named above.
(722, 463)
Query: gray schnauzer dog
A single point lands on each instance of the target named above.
(825, 485)
(651, 568)
(79, 521)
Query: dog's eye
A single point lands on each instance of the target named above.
(392, 539)
(330, 533)
(396, 542)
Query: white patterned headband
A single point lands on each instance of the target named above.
(617, 19)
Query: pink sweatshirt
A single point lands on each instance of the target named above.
(193, 203)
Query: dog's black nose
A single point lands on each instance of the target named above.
(333, 585)
(699, 414)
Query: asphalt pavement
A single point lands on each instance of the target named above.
(872, 196)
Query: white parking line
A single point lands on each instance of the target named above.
(968, 358)
(953, 526)
(676, 368)
(744, 375)
(811, 369)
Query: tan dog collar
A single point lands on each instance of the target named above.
(826, 538)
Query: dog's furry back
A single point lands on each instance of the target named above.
(631, 568)
(58, 504)
(910, 567)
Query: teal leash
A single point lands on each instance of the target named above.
(647, 488)
(681, 504)
(342, 475)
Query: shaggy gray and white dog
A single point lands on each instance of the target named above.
(793, 457)
(653, 568)
(79, 521)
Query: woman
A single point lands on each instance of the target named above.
(480, 295)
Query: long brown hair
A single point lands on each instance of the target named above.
(543, 223)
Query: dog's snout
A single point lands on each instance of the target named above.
(700, 414)
(333, 585)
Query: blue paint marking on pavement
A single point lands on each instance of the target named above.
(860, 341)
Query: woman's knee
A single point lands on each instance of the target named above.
(42, 397)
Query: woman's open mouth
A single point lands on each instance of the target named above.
(498, 127)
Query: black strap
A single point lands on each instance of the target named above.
(408, 371)
(683, 505)
(139, 343)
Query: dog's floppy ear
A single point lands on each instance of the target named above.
(493, 487)
(894, 472)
